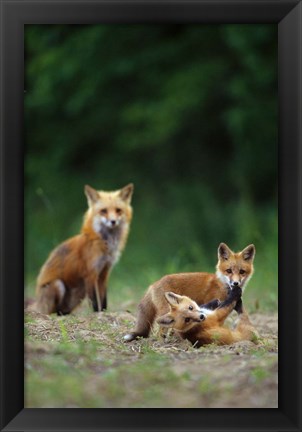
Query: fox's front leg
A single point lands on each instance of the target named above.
(97, 300)
(227, 306)
(99, 294)
(239, 306)
(212, 305)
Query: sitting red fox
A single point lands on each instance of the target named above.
(81, 265)
(233, 270)
(202, 325)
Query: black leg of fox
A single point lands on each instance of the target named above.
(98, 294)
(99, 298)
(94, 302)
(227, 306)
(233, 296)
(212, 305)
(95, 305)
(239, 307)
(104, 302)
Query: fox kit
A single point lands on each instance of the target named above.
(233, 270)
(202, 325)
(81, 265)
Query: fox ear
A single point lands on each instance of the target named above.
(248, 253)
(126, 193)
(172, 298)
(165, 320)
(224, 251)
(91, 194)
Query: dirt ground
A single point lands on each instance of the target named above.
(81, 361)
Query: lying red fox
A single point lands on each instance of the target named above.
(232, 270)
(203, 325)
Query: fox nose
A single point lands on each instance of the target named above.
(113, 222)
(235, 284)
(202, 317)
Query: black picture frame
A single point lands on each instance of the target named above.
(14, 15)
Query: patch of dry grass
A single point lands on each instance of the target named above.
(81, 360)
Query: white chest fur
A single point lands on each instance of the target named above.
(112, 239)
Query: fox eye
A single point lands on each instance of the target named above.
(229, 271)
(118, 211)
(191, 307)
(103, 211)
(241, 271)
(187, 319)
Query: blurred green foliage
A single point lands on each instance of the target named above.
(188, 113)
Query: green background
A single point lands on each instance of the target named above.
(188, 113)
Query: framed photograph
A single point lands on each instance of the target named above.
(178, 123)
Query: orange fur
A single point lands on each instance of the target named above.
(203, 326)
(235, 268)
(81, 265)
(201, 287)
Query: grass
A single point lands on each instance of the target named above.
(259, 374)
(82, 361)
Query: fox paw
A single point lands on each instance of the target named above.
(129, 337)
